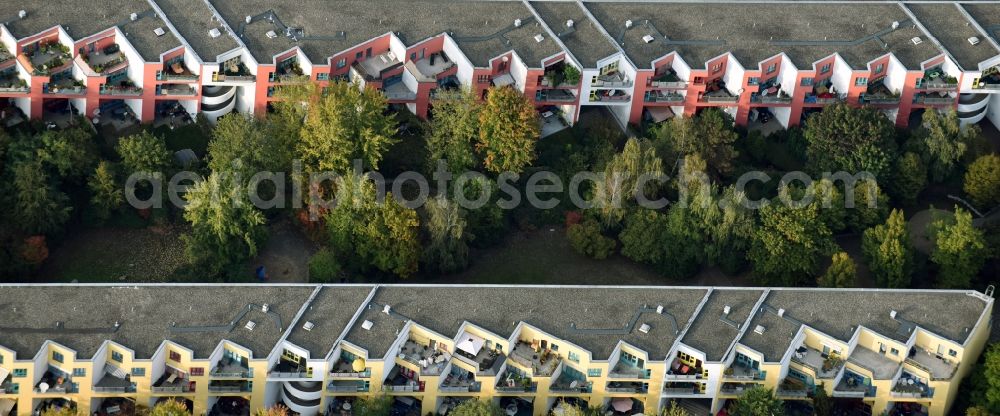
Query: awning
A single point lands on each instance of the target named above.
(502, 80)
(471, 344)
(622, 404)
(658, 114)
(6, 405)
(3, 374)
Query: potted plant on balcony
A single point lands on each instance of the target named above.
(571, 75)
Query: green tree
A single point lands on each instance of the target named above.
(991, 371)
(508, 130)
(725, 224)
(454, 130)
(106, 195)
(841, 273)
(70, 152)
(372, 406)
(486, 224)
(343, 124)
(614, 193)
(169, 407)
(822, 402)
(758, 401)
(908, 179)
(673, 409)
(372, 234)
(959, 251)
(447, 249)
(586, 239)
(324, 267)
(226, 229)
(844, 138)
(945, 141)
(982, 181)
(977, 411)
(476, 407)
(245, 145)
(670, 241)
(143, 152)
(789, 244)
(710, 135)
(37, 207)
(61, 411)
(871, 207)
(886, 248)
(276, 410)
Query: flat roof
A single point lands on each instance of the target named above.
(753, 32)
(81, 316)
(330, 313)
(331, 27)
(79, 19)
(712, 332)
(140, 33)
(193, 20)
(592, 319)
(949, 26)
(839, 313)
(585, 40)
(987, 15)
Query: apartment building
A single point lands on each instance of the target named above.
(224, 350)
(152, 60)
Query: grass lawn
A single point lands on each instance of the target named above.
(190, 136)
(115, 255)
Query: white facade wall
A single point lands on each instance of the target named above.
(463, 64)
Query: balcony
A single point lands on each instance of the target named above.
(228, 387)
(347, 387)
(683, 388)
(175, 71)
(487, 361)
(936, 80)
(287, 71)
(614, 79)
(55, 381)
(627, 369)
(719, 97)
(937, 367)
(560, 75)
(344, 368)
(121, 89)
(430, 67)
(108, 61)
(513, 381)
(10, 82)
(183, 90)
(878, 94)
(626, 387)
(910, 386)
(233, 71)
(933, 99)
(373, 68)
(431, 362)
(460, 381)
(667, 80)
(741, 372)
(853, 385)
(826, 366)
(398, 91)
(990, 80)
(734, 388)
(5, 56)
(555, 96)
(794, 388)
(541, 362)
(402, 380)
(660, 97)
(779, 98)
(114, 380)
(229, 367)
(881, 367)
(609, 96)
(570, 381)
(172, 383)
(49, 58)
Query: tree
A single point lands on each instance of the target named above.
(725, 224)
(789, 244)
(169, 407)
(454, 130)
(447, 250)
(669, 241)
(226, 230)
(871, 207)
(758, 401)
(710, 135)
(959, 251)
(324, 266)
(615, 191)
(886, 248)
(977, 411)
(372, 406)
(843, 138)
(276, 410)
(508, 130)
(343, 124)
(673, 409)
(822, 403)
(841, 273)
(245, 145)
(143, 152)
(982, 181)
(105, 193)
(372, 234)
(476, 407)
(37, 206)
(908, 179)
(70, 152)
(991, 371)
(60, 411)
(945, 141)
(586, 239)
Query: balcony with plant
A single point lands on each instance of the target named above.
(49, 57)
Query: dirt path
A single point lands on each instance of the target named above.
(286, 254)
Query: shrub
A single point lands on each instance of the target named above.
(324, 266)
(586, 238)
(982, 181)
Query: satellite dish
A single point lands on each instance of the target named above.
(43, 387)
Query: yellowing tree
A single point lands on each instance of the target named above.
(508, 129)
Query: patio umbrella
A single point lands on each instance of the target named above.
(622, 404)
(358, 365)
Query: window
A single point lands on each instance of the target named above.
(953, 353)
(175, 356)
(574, 357)
(879, 68)
(358, 55)
(341, 63)
(555, 347)
(824, 69)
(57, 357)
(138, 372)
(79, 372)
(483, 79)
(197, 371)
(807, 82)
(771, 68)
(117, 356)
(894, 351)
(593, 372)
(323, 76)
(20, 372)
(859, 81)
(716, 68)
(753, 81)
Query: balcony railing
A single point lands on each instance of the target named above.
(217, 77)
(288, 374)
(936, 100)
(681, 390)
(336, 388)
(625, 390)
(771, 99)
(398, 95)
(228, 389)
(233, 374)
(172, 389)
(166, 76)
(639, 374)
(404, 389)
(880, 99)
(62, 390)
(116, 389)
(783, 392)
(668, 84)
(121, 91)
(177, 91)
(719, 99)
(459, 389)
(66, 90)
(24, 89)
(611, 98)
(363, 374)
(519, 388)
(667, 98)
